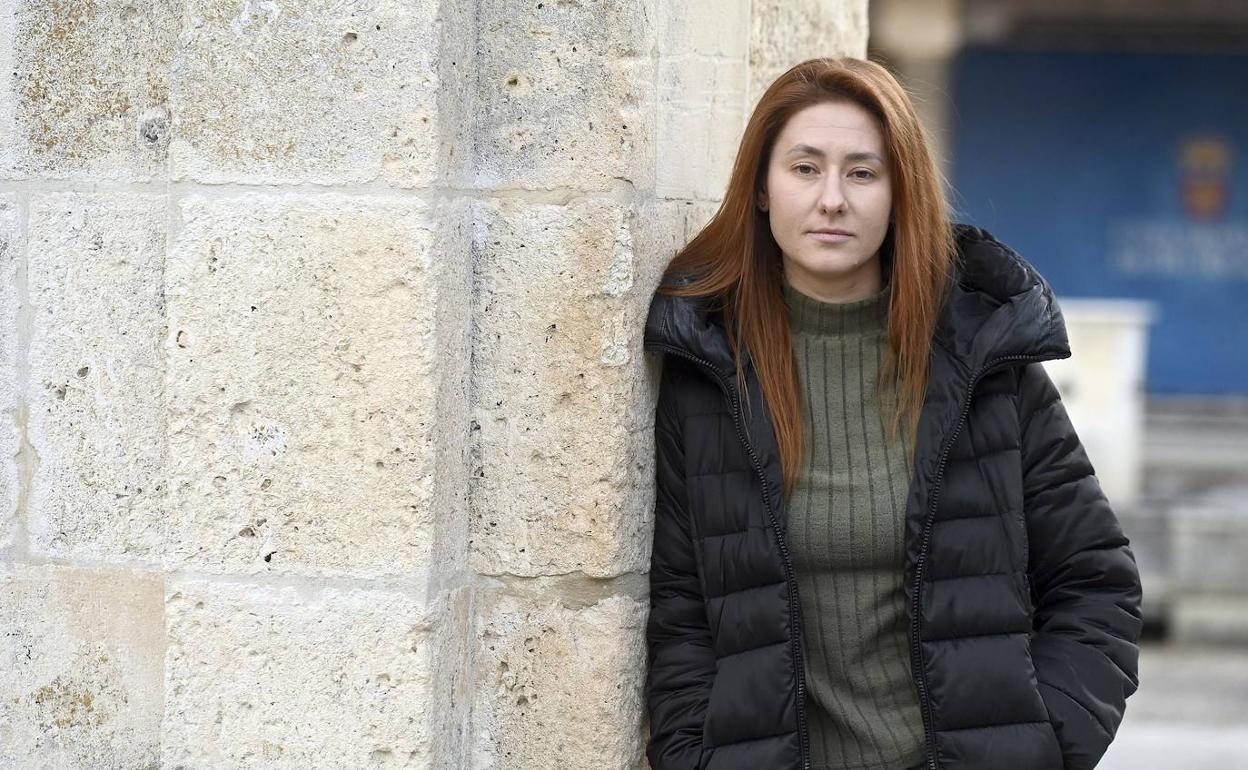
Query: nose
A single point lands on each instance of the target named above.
(832, 196)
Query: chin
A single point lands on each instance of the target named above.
(833, 264)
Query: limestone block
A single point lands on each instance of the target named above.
(321, 91)
(786, 32)
(303, 677)
(317, 355)
(10, 436)
(702, 90)
(96, 421)
(81, 668)
(566, 94)
(559, 687)
(564, 478)
(90, 89)
(8, 97)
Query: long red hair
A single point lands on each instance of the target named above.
(738, 263)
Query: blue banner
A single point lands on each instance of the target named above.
(1119, 175)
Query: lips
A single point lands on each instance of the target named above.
(825, 236)
(831, 231)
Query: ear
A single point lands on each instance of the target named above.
(762, 200)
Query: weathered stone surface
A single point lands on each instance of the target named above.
(305, 676)
(90, 89)
(96, 421)
(702, 91)
(366, 105)
(8, 96)
(786, 32)
(559, 687)
(359, 391)
(561, 388)
(318, 358)
(81, 667)
(10, 434)
(566, 94)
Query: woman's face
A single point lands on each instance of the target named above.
(828, 169)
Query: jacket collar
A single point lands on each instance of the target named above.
(997, 306)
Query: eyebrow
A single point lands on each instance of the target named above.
(806, 149)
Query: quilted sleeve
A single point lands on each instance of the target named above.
(1087, 623)
(681, 656)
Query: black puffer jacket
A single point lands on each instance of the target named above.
(1023, 593)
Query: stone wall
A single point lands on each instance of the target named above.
(326, 424)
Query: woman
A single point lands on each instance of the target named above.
(878, 541)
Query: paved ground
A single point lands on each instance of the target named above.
(1191, 711)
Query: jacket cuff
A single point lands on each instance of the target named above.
(1085, 695)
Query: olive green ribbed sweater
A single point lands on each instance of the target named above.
(846, 526)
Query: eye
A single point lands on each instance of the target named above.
(804, 165)
(869, 174)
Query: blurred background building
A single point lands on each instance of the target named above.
(1105, 141)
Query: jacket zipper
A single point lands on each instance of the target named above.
(916, 652)
(795, 638)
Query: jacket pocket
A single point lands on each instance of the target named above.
(1039, 706)
(1030, 595)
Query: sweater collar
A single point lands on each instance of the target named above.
(821, 318)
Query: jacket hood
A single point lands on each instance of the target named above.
(997, 305)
